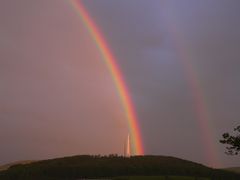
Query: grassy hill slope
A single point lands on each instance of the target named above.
(234, 169)
(85, 166)
(6, 166)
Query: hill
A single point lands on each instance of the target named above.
(86, 166)
(233, 169)
(6, 166)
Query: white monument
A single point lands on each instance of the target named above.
(127, 147)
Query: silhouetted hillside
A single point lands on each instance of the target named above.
(6, 166)
(85, 166)
(233, 169)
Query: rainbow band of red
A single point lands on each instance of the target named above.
(115, 72)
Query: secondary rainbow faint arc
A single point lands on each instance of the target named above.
(116, 74)
(200, 105)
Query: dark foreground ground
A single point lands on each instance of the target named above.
(115, 167)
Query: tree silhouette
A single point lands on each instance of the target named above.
(233, 142)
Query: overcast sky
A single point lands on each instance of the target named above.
(57, 97)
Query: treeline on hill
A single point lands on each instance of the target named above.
(86, 166)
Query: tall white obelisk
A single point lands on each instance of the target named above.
(127, 147)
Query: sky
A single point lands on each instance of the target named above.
(180, 59)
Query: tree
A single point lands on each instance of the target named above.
(233, 142)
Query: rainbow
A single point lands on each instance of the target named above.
(200, 105)
(111, 62)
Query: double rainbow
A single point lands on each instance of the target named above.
(111, 62)
(202, 113)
